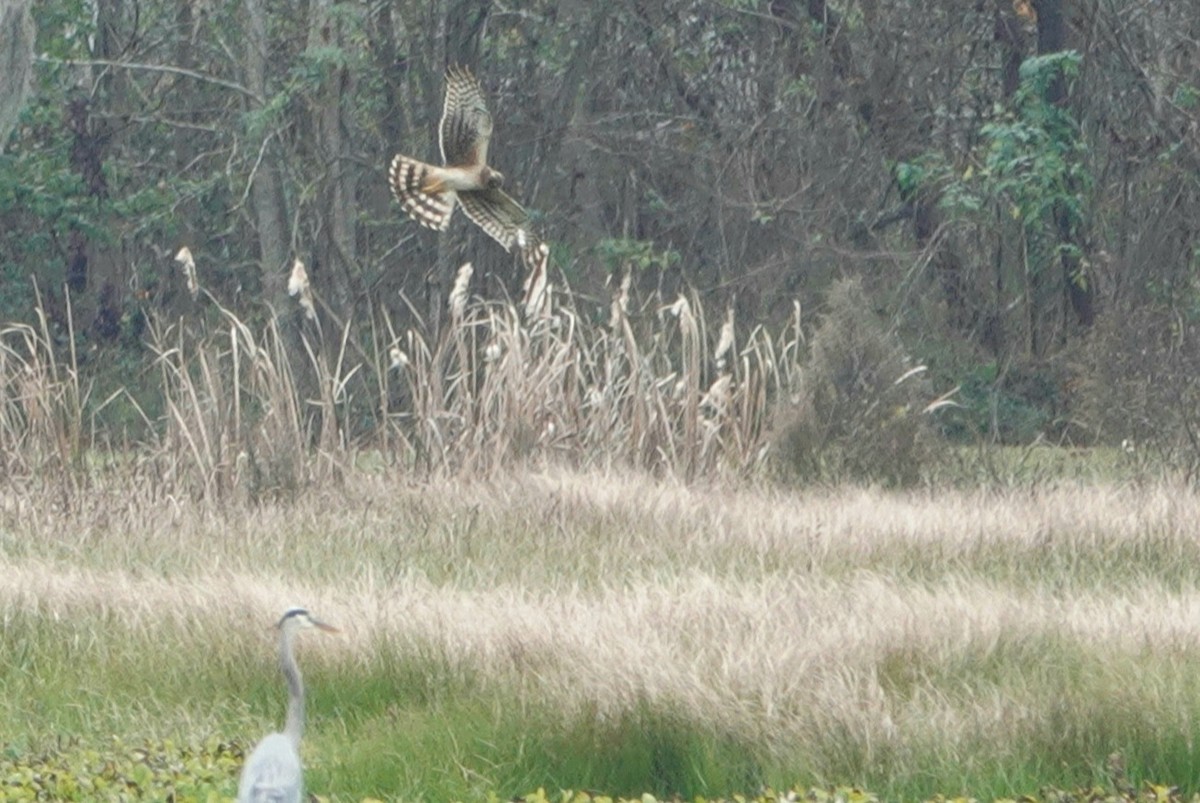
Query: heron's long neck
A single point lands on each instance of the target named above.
(293, 727)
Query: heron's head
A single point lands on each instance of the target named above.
(300, 618)
(492, 178)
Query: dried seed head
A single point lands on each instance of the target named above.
(620, 302)
(298, 285)
(298, 280)
(458, 293)
(725, 340)
(184, 258)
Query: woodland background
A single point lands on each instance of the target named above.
(833, 243)
(1007, 193)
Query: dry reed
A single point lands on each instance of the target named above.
(251, 409)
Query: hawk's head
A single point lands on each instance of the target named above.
(491, 178)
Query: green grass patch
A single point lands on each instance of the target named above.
(417, 726)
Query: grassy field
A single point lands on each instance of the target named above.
(510, 624)
(567, 629)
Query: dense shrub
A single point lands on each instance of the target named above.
(856, 414)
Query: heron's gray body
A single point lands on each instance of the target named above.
(273, 773)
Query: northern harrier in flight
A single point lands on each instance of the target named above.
(428, 193)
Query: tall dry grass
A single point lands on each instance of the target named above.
(42, 402)
(253, 410)
(643, 391)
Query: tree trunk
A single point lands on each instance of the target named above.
(1080, 288)
(16, 60)
(458, 24)
(335, 250)
(266, 191)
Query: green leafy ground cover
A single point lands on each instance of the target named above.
(207, 773)
(122, 772)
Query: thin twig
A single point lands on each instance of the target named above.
(132, 65)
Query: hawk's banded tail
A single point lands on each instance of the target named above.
(429, 205)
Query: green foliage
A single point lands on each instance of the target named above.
(1025, 190)
(640, 254)
(43, 200)
(1033, 165)
(920, 174)
(63, 31)
(1187, 96)
(910, 176)
(1012, 408)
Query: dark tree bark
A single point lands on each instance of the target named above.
(266, 191)
(393, 65)
(16, 62)
(335, 249)
(1010, 32)
(1080, 288)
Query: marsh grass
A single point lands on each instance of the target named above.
(582, 629)
(543, 541)
(234, 411)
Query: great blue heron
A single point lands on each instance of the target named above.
(273, 773)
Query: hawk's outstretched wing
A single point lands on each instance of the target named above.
(507, 222)
(466, 125)
(408, 178)
(495, 211)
